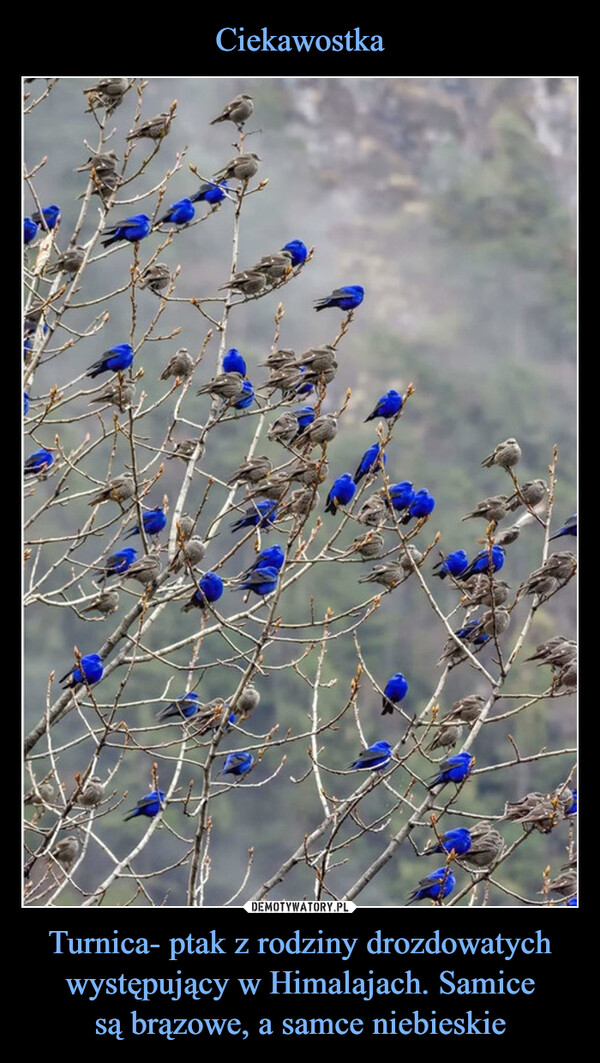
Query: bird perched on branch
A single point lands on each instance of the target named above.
(117, 564)
(209, 590)
(505, 455)
(435, 886)
(120, 394)
(252, 471)
(342, 492)
(465, 710)
(65, 851)
(247, 701)
(568, 528)
(190, 553)
(238, 110)
(454, 769)
(117, 490)
(105, 603)
(67, 262)
(489, 560)
(399, 496)
(224, 386)
(180, 364)
(149, 805)
(421, 506)
(369, 546)
(261, 580)
(493, 508)
(48, 218)
(107, 93)
(30, 228)
(89, 670)
(132, 229)
(387, 406)
(394, 692)
(144, 571)
(374, 758)
(262, 514)
(234, 362)
(183, 708)
(115, 360)
(210, 192)
(156, 277)
(248, 282)
(529, 494)
(372, 461)
(389, 575)
(154, 520)
(346, 298)
(486, 846)
(92, 793)
(153, 128)
(453, 564)
(237, 764)
(179, 213)
(457, 841)
(242, 168)
(38, 463)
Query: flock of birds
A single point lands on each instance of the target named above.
(300, 431)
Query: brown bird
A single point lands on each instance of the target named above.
(238, 110)
(154, 128)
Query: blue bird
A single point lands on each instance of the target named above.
(421, 506)
(387, 406)
(301, 387)
(30, 228)
(346, 298)
(233, 362)
(150, 805)
(371, 461)
(571, 903)
(454, 769)
(38, 462)
(262, 580)
(376, 756)
(394, 692)
(179, 213)
(401, 495)
(305, 415)
(568, 528)
(435, 886)
(481, 563)
(270, 557)
(114, 360)
(210, 192)
(468, 633)
(453, 564)
(183, 707)
(210, 589)
(247, 397)
(51, 216)
(89, 670)
(130, 229)
(297, 250)
(261, 514)
(342, 492)
(457, 841)
(154, 522)
(117, 563)
(26, 405)
(572, 809)
(237, 764)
